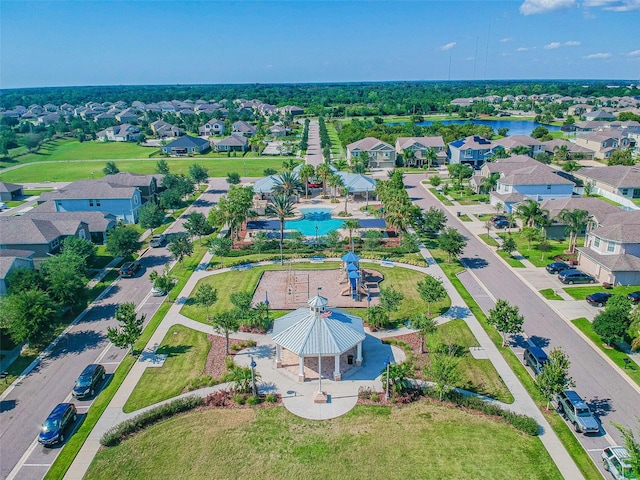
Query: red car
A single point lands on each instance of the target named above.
(314, 184)
(634, 297)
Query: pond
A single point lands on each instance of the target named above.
(516, 127)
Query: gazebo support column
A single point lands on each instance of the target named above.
(337, 376)
(278, 356)
(301, 369)
(359, 353)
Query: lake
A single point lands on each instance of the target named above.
(516, 127)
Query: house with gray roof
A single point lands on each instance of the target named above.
(379, 154)
(597, 208)
(99, 223)
(576, 152)
(10, 260)
(510, 143)
(473, 150)
(419, 146)
(186, 145)
(212, 127)
(243, 128)
(611, 252)
(148, 184)
(232, 143)
(119, 133)
(602, 143)
(97, 196)
(162, 129)
(10, 191)
(126, 116)
(619, 183)
(43, 237)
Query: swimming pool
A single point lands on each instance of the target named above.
(314, 217)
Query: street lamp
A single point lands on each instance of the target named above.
(253, 377)
(387, 391)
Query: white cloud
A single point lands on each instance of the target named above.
(523, 49)
(614, 5)
(552, 45)
(469, 59)
(635, 53)
(597, 56)
(532, 7)
(448, 46)
(505, 40)
(571, 43)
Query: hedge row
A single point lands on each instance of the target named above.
(115, 435)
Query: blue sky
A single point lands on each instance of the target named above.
(168, 42)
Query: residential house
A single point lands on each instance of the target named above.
(163, 129)
(148, 184)
(212, 127)
(291, 110)
(243, 128)
(104, 117)
(579, 109)
(126, 116)
(233, 143)
(598, 209)
(510, 143)
(380, 154)
(277, 131)
(43, 237)
(612, 249)
(186, 145)
(97, 196)
(419, 146)
(119, 133)
(576, 152)
(473, 150)
(98, 223)
(619, 183)
(601, 143)
(10, 191)
(10, 260)
(599, 115)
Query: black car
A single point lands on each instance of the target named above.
(495, 218)
(504, 224)
(634, 297)
(129, 269)
(88, 381)
(557, 267)
(598, 299)
(59, 420)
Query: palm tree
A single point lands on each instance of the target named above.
(289, 164)
(345, 191)
(575, 220)
(561, 153)
(430, 156)
(408, 157)
(335, 181)
(288, 184)
(305, 173)
(341, 165)
(351, 225)
(490, 182)
(281, 207)
(529, 211)
(324, 172)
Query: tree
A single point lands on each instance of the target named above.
(181, 247)
(24, 278)
(612, 323)
(233, 178)
(163, 281)
(506, 319)
(226, 323)
(122, 241)
(288, 184)
(460, 172)
(162, 167)
(431, 290)
(198, 173)
(280, 207)
(197, 225)
(351, 225)
(508, 245)
(32, 141)
(64, 275)
(489, 183)
(323, 172)
(390, 300)
(27, 315)
(632, 445)
(575, 220)
(400, 375)
(206, 296)
(530, 234)
(488, 225)
(435, 180)
(430, 156)
(129, 328)
(259, 242)
(443, 370)
(220, 246)
(85, 249)
(426, 326)
(434, 219)
(571, 166)
(372, 239)
(634, 329)
(452, 242)
(554, 377)
(530, 212)
(110, 168)
(621, 157)
(242, 302)
(150, 215)
(376, 317)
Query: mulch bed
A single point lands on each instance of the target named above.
(215, 365)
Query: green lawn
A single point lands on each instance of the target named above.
(336, 145)
(35, 191)
(510, 260)
(402, 279)
(465, 198)
(614, 354)
(75, 170)
(489, 240)
(444, 200)
(534, 254)
(419, 440)
(465, 218)
(580, 293)
(550, 294)
(187, 350)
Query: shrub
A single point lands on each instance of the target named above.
(201, 382)
(364, 393)
(253, 400)
(271, 398)
(374, 397)
(217, 399)
(116, 434)
(239, 399)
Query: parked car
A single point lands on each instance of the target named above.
(129, 269)
(571, 406)
(157, 292)
(88, 381)
(58, 421)
(575, 276)
(616, 461)
(598, 299)
(495, 218)
(557, 267)
(3, 205)
(634, 297)
(504, 224)
(158, 241)
(535, 357)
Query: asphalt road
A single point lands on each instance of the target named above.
(602, 386)
(28, 404)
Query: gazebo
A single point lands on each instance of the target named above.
(319, 332)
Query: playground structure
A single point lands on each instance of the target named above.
(297, 285)
(351, 273)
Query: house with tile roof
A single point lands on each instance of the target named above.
(119, 133)
(148, 184)
(603, 143)
(509, 143)
(212, 127)
(10, 191)
(97, 196)
(473, 150)
(243, 128)
(380, 154)
(598, 115)
(576, 152)
(127, 115)
(597, 208)
(419, 147)
(99, 223)
(619, 183)
(233, 143)
(186, 145)
(612, 249)
(162, 129)
(10, 260)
